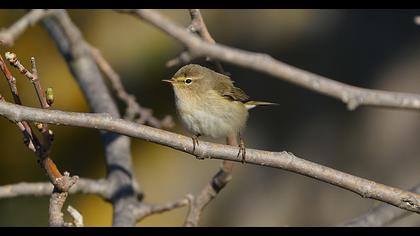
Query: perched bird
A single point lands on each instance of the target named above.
(209, 104)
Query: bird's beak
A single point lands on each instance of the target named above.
(169, 80)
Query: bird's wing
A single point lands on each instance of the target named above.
(226, 88)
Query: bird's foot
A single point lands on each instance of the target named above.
(242, 150)
(195, 142)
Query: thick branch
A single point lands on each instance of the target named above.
(381, 215)
(117, 148)
(283, 160)
(351, 95)
(56, 217)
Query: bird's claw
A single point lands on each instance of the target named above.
(242, 150)
(195, 142)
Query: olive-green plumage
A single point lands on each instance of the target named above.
(208, 102)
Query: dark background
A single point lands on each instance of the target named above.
(377, 49)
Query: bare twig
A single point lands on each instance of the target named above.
(9, 36)
(98, 187)
(283, 160)
(380, 215)
(62, 183)
(33, 77)
(77, 217)
(145, 210)
(31, 142)
(133, 111)
(198, 27)
(351, 95)
(210, 191)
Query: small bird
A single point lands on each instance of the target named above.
(210, 105)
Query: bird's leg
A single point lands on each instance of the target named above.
(242, 149)
(195, 143)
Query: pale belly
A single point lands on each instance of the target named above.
(204, 119)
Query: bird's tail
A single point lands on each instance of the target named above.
(251, 104)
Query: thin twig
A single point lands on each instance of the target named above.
(145, 210)
(133, 111)
(77, 217)
(351, 95)
(33, 77)
(30, 140)
(209, 192)
(98, 187)
(199, 27)
(8, 36)
(283, 160)
(42, 150)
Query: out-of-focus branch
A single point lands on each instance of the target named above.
(8, 36)
(351, 95)
(74, 49)
(209, 192)
(417, 20)
(283, 160)
(133, 111)
(145, 210)
(78, 56)
(380, 215)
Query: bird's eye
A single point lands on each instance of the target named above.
(188, 81)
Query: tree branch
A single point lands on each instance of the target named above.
(8, 36)
(133, 111)
(117, 148)
(224, 175)
(199, 27)
(145, 210)
(380, 215)
(77, 217)
(56, 217)
(282, 160)
(85, 186)
(351, 95)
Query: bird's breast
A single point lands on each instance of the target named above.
(211, 115)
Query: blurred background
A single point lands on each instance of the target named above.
(369, 48)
